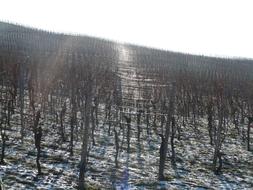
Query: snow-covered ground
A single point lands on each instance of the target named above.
(137, 170)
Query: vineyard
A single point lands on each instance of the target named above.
(78, 112)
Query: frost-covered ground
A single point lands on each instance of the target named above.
(137, 170)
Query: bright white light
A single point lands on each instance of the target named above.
(211, 27)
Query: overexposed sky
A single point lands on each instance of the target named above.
(209, 27)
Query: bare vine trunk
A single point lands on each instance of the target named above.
(165, 138)
(85, 139)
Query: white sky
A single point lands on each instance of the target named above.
(210, 27)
